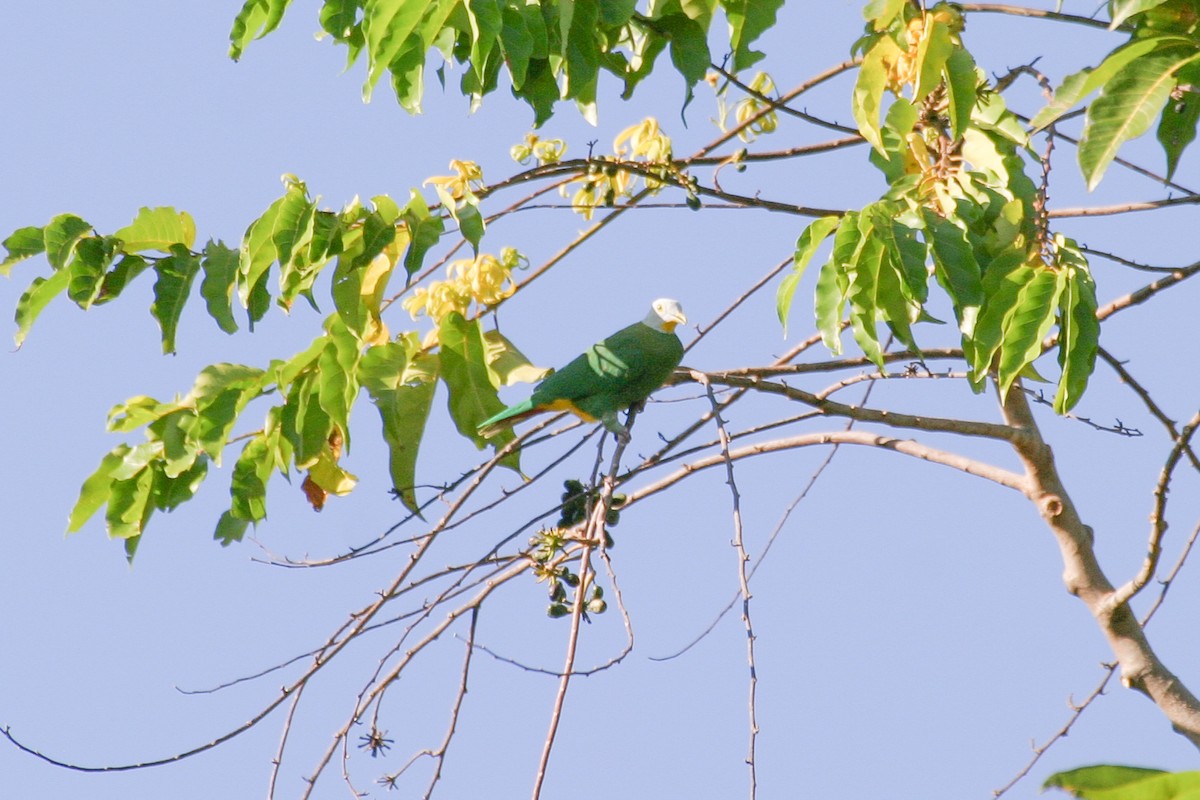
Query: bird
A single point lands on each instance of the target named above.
(612, 375)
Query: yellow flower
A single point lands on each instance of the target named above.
(645, 141)
(751, 106)
(468, 179)
(546, 151)
(485, 280)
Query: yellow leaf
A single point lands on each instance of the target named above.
(330, 477)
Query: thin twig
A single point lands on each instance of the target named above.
(594, 532)
(739, 546)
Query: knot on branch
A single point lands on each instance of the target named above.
(1050, 505)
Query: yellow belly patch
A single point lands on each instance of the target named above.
(566, 405)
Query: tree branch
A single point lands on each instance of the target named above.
(1141, 668)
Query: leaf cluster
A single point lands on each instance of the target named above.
(1155, 74)
(289, 246)
(958, 208)
(550, 51)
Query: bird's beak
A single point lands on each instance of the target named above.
(676, 319)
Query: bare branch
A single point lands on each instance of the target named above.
(739, 546)
(905, 446)
(987, 430)
(593, 537)
(1158, 518)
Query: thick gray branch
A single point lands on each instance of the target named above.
(1141, 668)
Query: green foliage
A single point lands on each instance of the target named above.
(1128, 105)
(551, 51)
(1116, 782)
(958, 206)
(806, 247)
(464, 369)
(256, 19)
(400, 380)
(1151, 76)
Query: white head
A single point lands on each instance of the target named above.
(664, 315)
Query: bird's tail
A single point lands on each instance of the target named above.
(506, 419)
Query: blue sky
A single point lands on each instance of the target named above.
(913, 632)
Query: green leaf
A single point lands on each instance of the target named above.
(955, 268)
(402, 391)
(326, 240)
(386, 25)
(689, 48)
(137, 459)
(248, 488)
(1081, 84)
(424, 231)
(540, 91)
(748, 19)
(336, 367)
(94, 492)
(506, 364)
(891, 295)
(933, 50)
(157, 229)
(179, 446)
(615, 13)
(93, 254)
(464, 370)
(893, 160)
(471, 225)
(293, 225)
(35, 299)
(832, 282)
(220, 393)
(117, 278)
(1124, 9)
(862, 295)
(175, 275)
(1027, 324)
(486, 22)
(962, 81)
(20, 245)
(580, 48)
(60, 237)
(408, 74)
(258, 301)
(810, 239)
(1126, 106)
(170, 492)
(378, 232)
(256, 19)
(230, 529)
(339, 18)
(312, 426)
(220, 266)
(1079, 330)
(1002, 284)
(880, 13)
(257, 252)
(136, 412)
(868, 90)
(129, 505)
(516, 43)
(909, 256)
(1177, 127)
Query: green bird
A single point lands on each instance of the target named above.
(612, 375)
